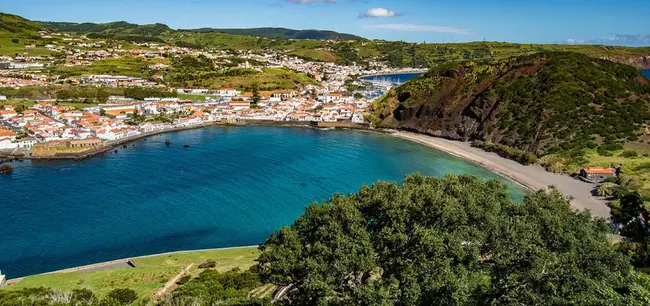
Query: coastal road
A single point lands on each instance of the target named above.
(533, 177)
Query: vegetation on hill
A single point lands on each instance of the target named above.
(545, 103)
(118, 27)
(18, 25)
(200, 72)
(451, 241)
(349, 49)
(283, 33)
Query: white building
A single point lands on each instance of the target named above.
(113, 134)
(227, 92)
(26, 143)
(357, 118)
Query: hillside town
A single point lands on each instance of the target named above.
(334, 96)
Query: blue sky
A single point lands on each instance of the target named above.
(619, 22)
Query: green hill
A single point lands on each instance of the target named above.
(284, 33)
(543, 103)
(118, 27)
(158, 29)
(18, 26)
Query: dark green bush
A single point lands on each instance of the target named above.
(123, 296)
(208, 264)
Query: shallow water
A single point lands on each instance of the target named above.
(232, 187)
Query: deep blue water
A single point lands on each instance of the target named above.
(646, 73)
(396, 78)
(232, 187)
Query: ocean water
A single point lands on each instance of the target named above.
(232, 187)
(395, 78)
(646, 73)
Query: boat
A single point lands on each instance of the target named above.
(167, 142)
(186, 146)
(6, 169)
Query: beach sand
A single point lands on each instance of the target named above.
(533, 177)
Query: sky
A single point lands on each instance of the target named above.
(613, 22)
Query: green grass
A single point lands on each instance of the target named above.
(315, 55)
(28, 103)
(123, 66)
(150, 274)
(193, 97)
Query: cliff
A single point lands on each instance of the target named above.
(541, 103)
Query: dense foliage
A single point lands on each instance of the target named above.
(547, 103)
(212, 287)
(451, 241)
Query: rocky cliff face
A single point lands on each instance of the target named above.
(541, 103)
(636, 61)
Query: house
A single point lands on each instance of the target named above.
(357, 118)
(239, 105)
(26, 143)
(6, 114)
(5, 133)
(3, 279)
(6, 143)
(597, 174)
(113, 134)
(227, 92)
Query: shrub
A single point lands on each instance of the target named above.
(84, 295)
(629, 154)
(208, 264)
(123, 296)
(184, 279)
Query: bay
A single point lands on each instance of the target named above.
(232, 187)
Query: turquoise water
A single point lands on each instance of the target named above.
(232, 187)
(395, 78)
(646, 72)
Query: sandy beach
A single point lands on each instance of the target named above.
(533, 177)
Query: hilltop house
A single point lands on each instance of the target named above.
(3, 279)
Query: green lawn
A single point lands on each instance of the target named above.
(150, 274)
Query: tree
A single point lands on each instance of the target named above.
(456, 240)
(123, 296)
(632, 215)
(256, 93)
(15, 40)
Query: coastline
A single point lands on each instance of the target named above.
(97, 266)
(530, 177)
(533, 177)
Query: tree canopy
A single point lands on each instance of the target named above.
(456, 240)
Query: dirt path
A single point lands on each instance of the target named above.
(172, 282)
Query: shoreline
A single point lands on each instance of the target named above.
(99, 265)
(532, 177)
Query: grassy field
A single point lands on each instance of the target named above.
(123, 66)
(8, 47)
(315, 55)
(25, 104)
(268, 79)
(150, 274)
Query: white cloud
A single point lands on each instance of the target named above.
(378, 13)
(614, 39)
(419, 28)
